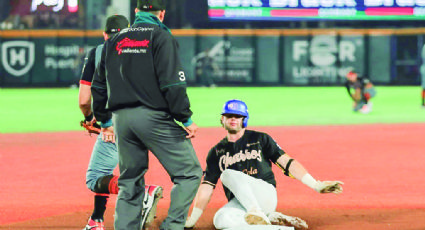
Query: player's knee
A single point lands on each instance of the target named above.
(91, 184)
(91, 180)
(227, 175)
(228, 218)
(106, 185)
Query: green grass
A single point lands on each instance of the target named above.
(44, 110)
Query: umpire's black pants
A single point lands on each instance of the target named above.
(141, 129)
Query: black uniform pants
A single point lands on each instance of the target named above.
(141, 129)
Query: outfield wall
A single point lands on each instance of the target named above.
(230, 57)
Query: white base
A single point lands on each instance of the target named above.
(261, 227)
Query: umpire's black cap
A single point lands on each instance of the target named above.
(151, 5)
(116, 23)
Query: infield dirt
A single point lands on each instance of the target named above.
(43, 178)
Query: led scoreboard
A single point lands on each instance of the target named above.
(317, 9)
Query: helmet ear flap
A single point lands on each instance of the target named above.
(245, 122)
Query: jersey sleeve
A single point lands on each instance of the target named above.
(171, 76)
(212, 172)
(271, 149)
(88, 68)
(100, 92)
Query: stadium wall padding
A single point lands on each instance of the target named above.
(44, 58)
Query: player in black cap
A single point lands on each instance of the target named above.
(141, 81)
(104, 157)
(115, 24)
(150, 5)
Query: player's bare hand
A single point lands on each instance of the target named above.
(191, 130)
(329, 187)
(108, 134)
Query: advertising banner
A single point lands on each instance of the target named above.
(321, 59)
(281, 10)
(66, 58)
(240, 59)
(46, 61)
(17, 60)
(305, 60)
(225, 59)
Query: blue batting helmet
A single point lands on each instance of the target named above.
(236, 107)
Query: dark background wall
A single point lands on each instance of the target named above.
(236, 57)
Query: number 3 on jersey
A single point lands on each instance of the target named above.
(182, 76)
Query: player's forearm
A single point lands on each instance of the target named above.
(300, 173)
(297, 170)
(84, 100)
(201, 200)
(357, 95)
(85, 109)
(203, 196)
(291, 167)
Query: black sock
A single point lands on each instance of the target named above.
(99, 206)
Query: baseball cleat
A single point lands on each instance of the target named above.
(367, 108)
(152, 195)
(256, 218)
(277, 218)
(96, 224)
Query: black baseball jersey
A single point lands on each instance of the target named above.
(360, 83)
(140, 66)
(88, 68)
(252, 154)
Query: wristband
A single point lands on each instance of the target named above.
(89, 117)
(309, 181)
(196, 213)
(188, 122)
(106, 124)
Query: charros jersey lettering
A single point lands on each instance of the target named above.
(227, 160)
(252, 154)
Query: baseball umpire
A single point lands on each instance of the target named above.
(141, 81)
(104, 157)
(364, 90)
(242, 160)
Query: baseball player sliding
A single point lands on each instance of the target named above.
(242, 160)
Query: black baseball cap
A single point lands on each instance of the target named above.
(116, 23)
(151, 5)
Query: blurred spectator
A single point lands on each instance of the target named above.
(46, 20)
(4, 9)
(22, 14)
(205, 68)
(19, 14)
(69, 21)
